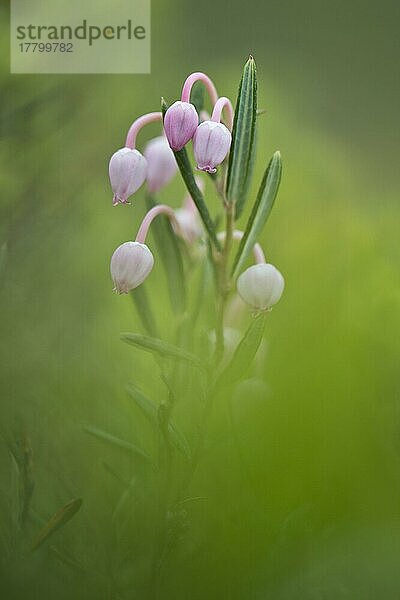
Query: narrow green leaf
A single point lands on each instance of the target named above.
(69, 561)
(164, 107)
(145, 404)
(115, 441)
(171, 257)
(142, 303)
(22, 454)
(112, 472)
(241, 201)
(149, 409)
(58, 520)
(204, 284)
(178, 439)
(244, 125)
(160, 348)
(187, 175)
(245, 352)
(123, 498)
(260, 212)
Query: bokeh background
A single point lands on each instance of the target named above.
(309, 507)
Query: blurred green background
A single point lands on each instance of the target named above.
(309, 506)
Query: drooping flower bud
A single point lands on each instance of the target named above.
(189, 227)
(127, 170)
(180, 123)
(130, 265)
(261, 286)
(161, 164)
(211, 144)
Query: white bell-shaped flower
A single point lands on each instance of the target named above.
(261, 286)
(127, 170)
(130, 265)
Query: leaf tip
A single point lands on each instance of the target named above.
(277, 158)
(77, 503)
(164, 106)
(251, 63)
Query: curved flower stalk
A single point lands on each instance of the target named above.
(138, 124)
(205, 79)
(160, 209)
(237, 235)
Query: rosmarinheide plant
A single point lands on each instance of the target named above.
(191, 242)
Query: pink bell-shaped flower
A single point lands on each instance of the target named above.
(130, 265)
(189, 227)
(180, 123)
(161, 164)
(211, 144)
(187, 223)
(127, 170)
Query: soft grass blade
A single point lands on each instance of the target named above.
(160, 348)
(149, 409)
(243, 138)
(58, 520)
(67, 560)
(244, 353)
(142, 303)
(124, 498)
(261, 211)
(115, 441)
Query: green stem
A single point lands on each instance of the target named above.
(187, 175)
(223, 281)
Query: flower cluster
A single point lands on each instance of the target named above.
(260, 285)
(205, 255)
